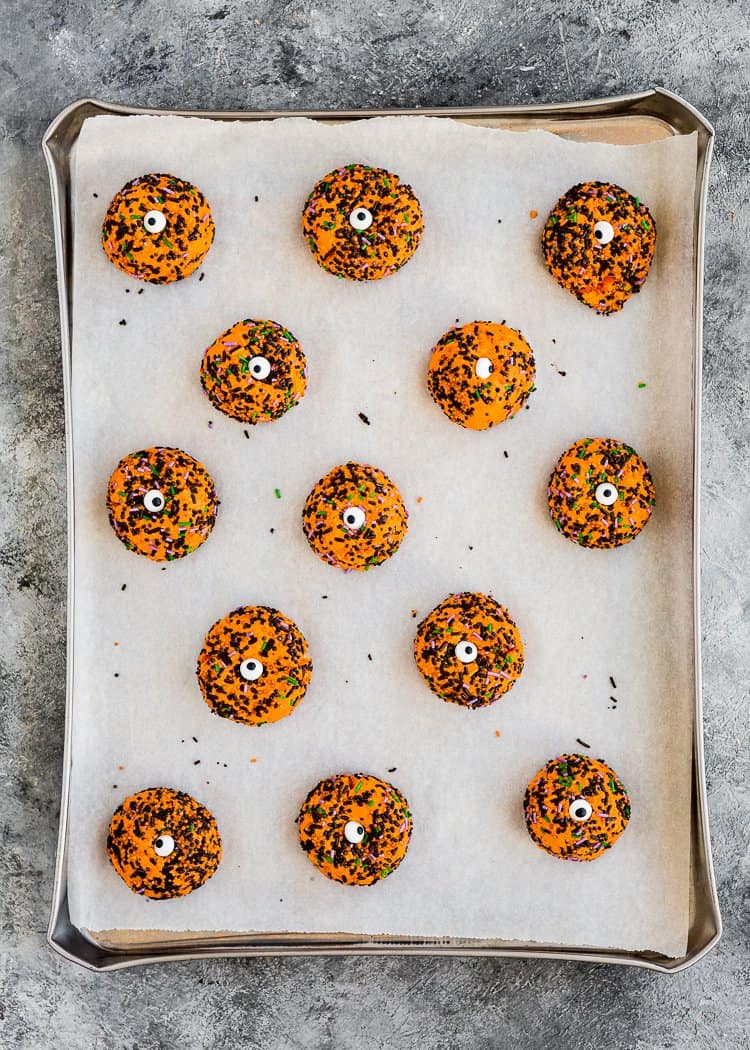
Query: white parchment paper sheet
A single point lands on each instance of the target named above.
(478, 521)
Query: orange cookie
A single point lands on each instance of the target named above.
(600, 494)
(255, 371)
(576, 807)
(481, 374)
(362, 223)
(254, 666)
(162, 503)
(599, 243)
(355, 828)
(158, 228)
(163, 844)
(354, 517)
(469, 650)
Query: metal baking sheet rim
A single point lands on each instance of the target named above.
(669, 115)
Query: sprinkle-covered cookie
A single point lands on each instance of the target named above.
(599, 243)
(255, 371)
(354, 517)
(600, 494)
(355, 828)
(254, 666)
(576, 807)
(163, 844)
(158, 228)
(162, 503)
(481, 374)
(362, 223)
(469, 650)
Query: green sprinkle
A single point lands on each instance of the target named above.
(277, 493)
(358, 787)
(641, 386)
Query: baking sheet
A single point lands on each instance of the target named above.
(471, 869)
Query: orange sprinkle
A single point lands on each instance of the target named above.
(533, 214)
(419, 499)
(497, 732)
(414, 612)
(117, 643)
(253, 759)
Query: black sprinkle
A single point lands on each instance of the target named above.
(393, 769)
(614, 684)
(561, 373)
(96, 194)
(201, 277)
(210, 423)
(505, 453)
(117, 674)
(123, 321)
(614, 700)
(582, 742)
(163, 568)
(369, 656)
(140, 291)
(182, 741)
(255, 198)
(114, 785)
(554, 341)
(247, 435)
(127, 291)
(271, 530)
(195, 739)
(123, 586)
(324, 596)
(499, 220)
(457, 320)
(197, 762)
(364, 418)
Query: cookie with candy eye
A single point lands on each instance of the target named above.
(162, 503)
(255, 371)
(254, 666)
(355, 828)
(354, 517)
(362, 223)
(469, 650)
(598, 243)
(158, 228)
(163, 843)
(481, 374)
(600, 493)
(576, 807)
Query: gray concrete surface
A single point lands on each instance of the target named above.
(222, 54)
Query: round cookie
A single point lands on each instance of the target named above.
(163, 843)
(355, 828)
(481, 374)
(254, 666)
(158, 228)
(469, 650)
(255, 371)
(600, 493)
(162, 503)
(362, 223)
(354, 517)
(576, 807)
(598, 243)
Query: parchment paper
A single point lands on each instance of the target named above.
(478, 522)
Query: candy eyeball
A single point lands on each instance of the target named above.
(353, 518)
(164, 846)
(259, 367)
(251, 669)
(606, 494)
(603, 232)
(466, 652)
(579, 809)
(154, 221)
(354, 832)
(484, 368)
(360, 219)
(154, 501)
